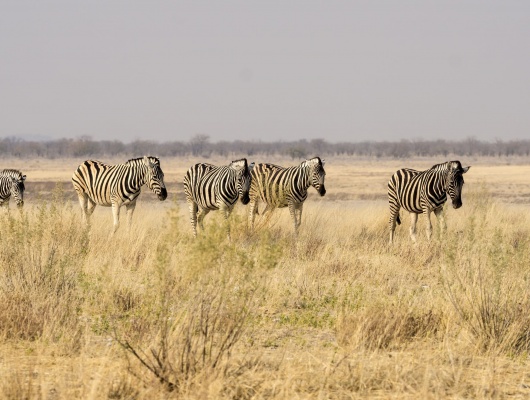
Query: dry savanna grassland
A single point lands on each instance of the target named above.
(335, 314)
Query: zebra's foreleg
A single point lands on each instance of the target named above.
(116, 215)
(226, 211)
(293, 212)
(439, 212)
(428, 229)
(298, 212)
(130, 211)
(413, 221)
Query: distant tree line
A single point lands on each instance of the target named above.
(201, 145)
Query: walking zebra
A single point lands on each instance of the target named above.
(423, 192)
(113, 186)
(280, 187)
(12, 184)
(208, 188)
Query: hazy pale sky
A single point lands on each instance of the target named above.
(267, 70)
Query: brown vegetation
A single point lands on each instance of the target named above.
(152, 313)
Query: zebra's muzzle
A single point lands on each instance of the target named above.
(163, 194)
(322, 190)
(457, 204)
(245, 199)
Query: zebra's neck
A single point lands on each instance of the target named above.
(437, 185)
(137, 173)
(304, 178)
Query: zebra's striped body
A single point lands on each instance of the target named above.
(12, 185)
(208, 187)
(113, 186)
(425, 192)
(281, 187)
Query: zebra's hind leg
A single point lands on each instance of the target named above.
(394, 217)
(193, 216)
(252, 211)
(200, 217)
(91, 205)
(83, 200)
(413, 221)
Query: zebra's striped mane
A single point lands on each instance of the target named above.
(239, 164)
(132, 160)
(452, 165)
(313, 161)
(15, 173)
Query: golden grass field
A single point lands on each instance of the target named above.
(151, 313)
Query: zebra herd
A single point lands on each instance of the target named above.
(208, 187)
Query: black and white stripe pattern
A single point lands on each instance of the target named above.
(425, 192)
(208, 187)
(12, 185)
(281, 187)
(113, 186)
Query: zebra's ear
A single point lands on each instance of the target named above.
(251, 167)
(465, 169)
(23, 177)
(323, 162)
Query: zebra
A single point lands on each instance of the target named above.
(424, 192)
(12, 184)
(113, 186)
(208, 187)
(280, 187)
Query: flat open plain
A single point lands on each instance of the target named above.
(335, 314)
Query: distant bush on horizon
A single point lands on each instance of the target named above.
(201, 145)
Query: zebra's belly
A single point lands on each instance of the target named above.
(412, 208)
(107, 201)
(424, 207)
(274, 202)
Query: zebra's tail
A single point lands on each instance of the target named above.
(398, 220)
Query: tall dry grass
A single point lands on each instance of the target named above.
(336, 313)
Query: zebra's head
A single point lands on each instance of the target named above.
(317, 174)
(155, 177)
(243, 179)
(455, 182)
(17, 188)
